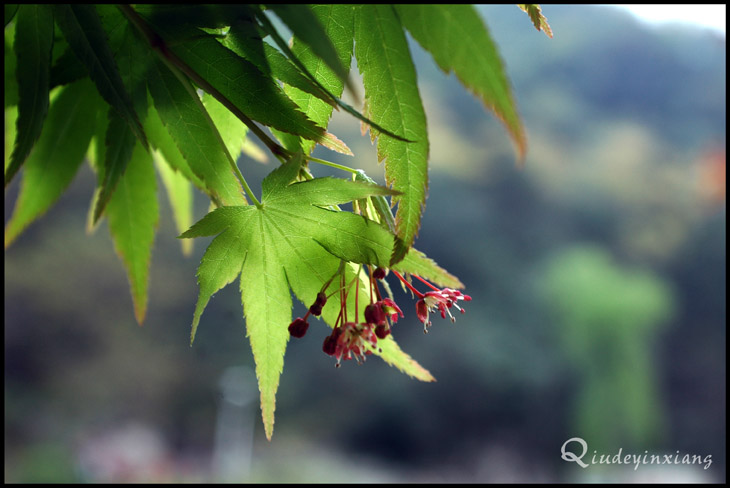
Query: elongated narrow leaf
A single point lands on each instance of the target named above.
(263, 278)
(305, 25)
(459, 41)
(33, 45)
(163, 141)
(96, 155)
(256, 96)
(183, 115)
(11, 115)
(337, 21)
(11, 81)
(132, 213)
(133, 62)
(392, 98)
(119, 142)
(180, 195)
(282, 245)
(56, 156)
(133, 59)
(244, 41)
(537, 18)
(83, 30)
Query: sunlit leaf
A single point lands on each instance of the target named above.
(119, 142)
(257, 96)
(537, 18)
(11, 81)
(283, 244)
(56, 156)
(458, 40)
(132, 213)
(11, 114)
(183, 115)
(337, 21)
(163, 141)
(392, 98)
(305, 26)
(244, 41)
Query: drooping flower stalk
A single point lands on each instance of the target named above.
(437, 299)
(352, 339)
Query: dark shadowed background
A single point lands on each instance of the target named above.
(597, 274)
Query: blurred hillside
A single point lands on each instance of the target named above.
(597, 272)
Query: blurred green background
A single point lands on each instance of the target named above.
(597, 274)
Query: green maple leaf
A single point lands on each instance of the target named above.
(392, 100)
(291, 240)
(459, 42)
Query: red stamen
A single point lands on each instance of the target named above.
(426, 283)
(410, 287)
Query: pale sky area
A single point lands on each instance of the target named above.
(712, 16)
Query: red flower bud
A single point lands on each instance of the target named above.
(382, 331)
(330, 342)
(298, 328)
(374, 314)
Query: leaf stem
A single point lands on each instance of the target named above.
(331, 164)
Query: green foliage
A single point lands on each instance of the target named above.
(56, 156)
(392, 100)
(133, 215)
(287, 241)
(337, 20)
(189, 125)
(87, 38)
(608, 317)
(33, 42)
(179, 89)
(459, 42)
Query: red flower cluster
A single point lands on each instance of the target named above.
(352, 339)
(442, 300)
